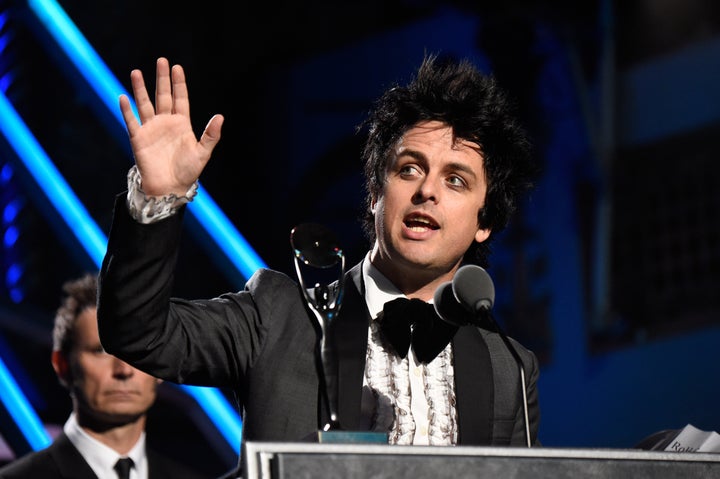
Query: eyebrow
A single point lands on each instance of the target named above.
(418, 155)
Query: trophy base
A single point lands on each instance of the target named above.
(352, 437)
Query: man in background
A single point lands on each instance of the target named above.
(104, 437)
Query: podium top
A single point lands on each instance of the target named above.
(274, 460)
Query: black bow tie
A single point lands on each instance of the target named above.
(413, 321)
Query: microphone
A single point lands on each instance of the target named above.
(454, 312)
(473, 288)
(447, 307)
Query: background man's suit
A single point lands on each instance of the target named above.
(61, 460)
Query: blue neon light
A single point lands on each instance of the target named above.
(237, 249)
(7, 172)
(21, 411)
(224, 417)
(13, 274)
(17, 295)
(69, 38)
(10, 237)
(51, 181)
(11, 211)
(106, 86)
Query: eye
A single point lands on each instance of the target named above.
(408, 170)
(457, 181)
(98, 350)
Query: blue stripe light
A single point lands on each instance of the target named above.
(21, 411)
(51, 181)
(108, 89)
(235, 247)
(69, 38)
(216, 406)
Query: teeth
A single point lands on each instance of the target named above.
(419, 223)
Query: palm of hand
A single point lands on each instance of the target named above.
(168, 155)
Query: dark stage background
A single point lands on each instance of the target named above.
(610, 274)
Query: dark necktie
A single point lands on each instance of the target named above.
(406, 322)
(122, 467)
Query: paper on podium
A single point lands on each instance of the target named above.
(692, 439)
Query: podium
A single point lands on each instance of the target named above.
(274, 460)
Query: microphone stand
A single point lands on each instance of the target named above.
(515, 355)
(474, 289)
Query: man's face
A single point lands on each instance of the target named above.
(106, 389)
(426, 215)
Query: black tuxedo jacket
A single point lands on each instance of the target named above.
(61, 460)
(261, 342)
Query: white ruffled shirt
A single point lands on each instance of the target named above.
(102, 458)
(412, 401)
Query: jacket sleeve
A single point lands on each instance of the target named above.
(201, 342)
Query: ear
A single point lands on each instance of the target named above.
(482, 234)
(61, 367)
(373, 204)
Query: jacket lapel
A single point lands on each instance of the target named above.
(349, 331)
(474, 387)
(68, 459)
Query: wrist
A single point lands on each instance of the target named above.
(150, 208)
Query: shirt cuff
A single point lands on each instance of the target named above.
(149, 209)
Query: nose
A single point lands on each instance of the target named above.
(426, 190)
(121, 369)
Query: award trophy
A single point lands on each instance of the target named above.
(316, 252)
(315, 246)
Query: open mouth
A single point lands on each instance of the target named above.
(420, 223)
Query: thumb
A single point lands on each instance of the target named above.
(211, 135)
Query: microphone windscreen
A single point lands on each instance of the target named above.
(447, 307)
(473, 288)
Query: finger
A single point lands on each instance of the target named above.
(163, 90)
(142, 100)
(128, 115)
(181, 102)
(211, 134)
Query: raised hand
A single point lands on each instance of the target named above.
(166, 150)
